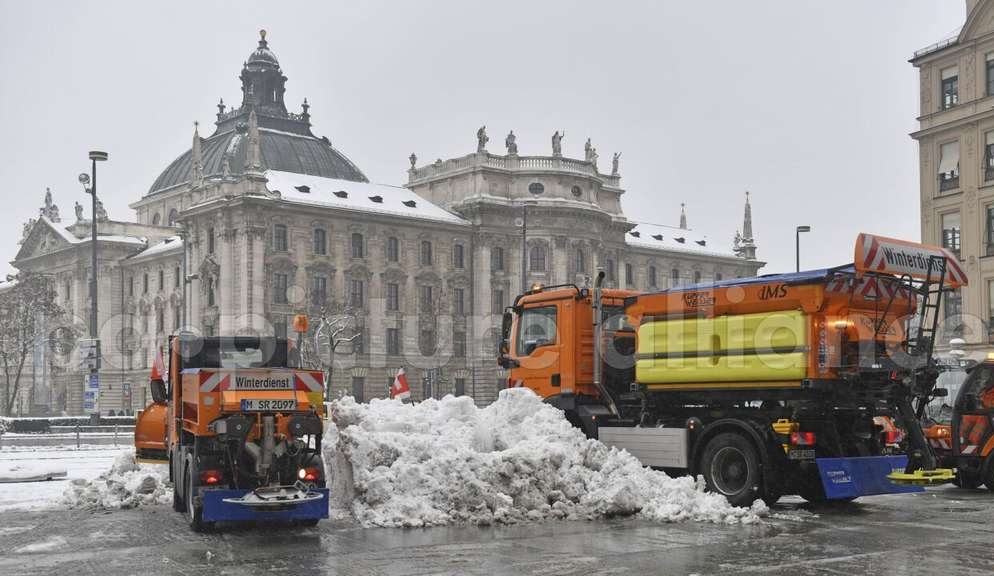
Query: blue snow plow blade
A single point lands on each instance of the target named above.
(217, 510)
(861, 476)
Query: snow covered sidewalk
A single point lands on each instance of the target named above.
(446, 461)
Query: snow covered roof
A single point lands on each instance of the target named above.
(71, 239)
(659, 237)
(362, 196)
(171, 244)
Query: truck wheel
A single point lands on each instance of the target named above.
(730, 465)
(966, 481)
(987, 472)
(194, 513)
(177, 498)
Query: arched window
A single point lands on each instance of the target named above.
(155, 219)
(581, 261)
(173, 216)
(536, 258)
(357, 247)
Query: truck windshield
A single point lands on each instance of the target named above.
(536, 327)
(940, 410)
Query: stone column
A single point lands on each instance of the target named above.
(258, 281)
(226, 283)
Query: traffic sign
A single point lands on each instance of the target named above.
(93, 382)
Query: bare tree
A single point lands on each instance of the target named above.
(25, 306)
(331, 331)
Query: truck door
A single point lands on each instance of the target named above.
(972, 423)
(538, 347)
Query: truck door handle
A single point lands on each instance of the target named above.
(555, 380)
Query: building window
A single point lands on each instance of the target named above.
(393, 249)
(177, 318)
(279, 326)
(459, 344)
(697, 276)
(359, 342)
(652, 277)
(210, 240)
(131, 287)
(208, 330)
(611, 275)
(173, 217)
(320, 241)
(356, 292)
(425, 253)
(145, 283)
(319, 290)
(536, 259)
(717, 277)
(953, 309)
(629, 274)
(280, 242)
(458, 256)
(536, 188)
(425, 299)
(460, 387)
(211, 301)
(497, 259)
(951, 232)
(989, 155)
(280, 281)
(358, 384)
(393, 297)
(497, 301)
(357, 247)
(162, 280)
(426, 342)
(674, 277)
(990, 308)
(156, 219)
(950, 87)
(160, 321)
(393, 341)
(949, 166)
(581, 261)
(458, 301)
(176, 277)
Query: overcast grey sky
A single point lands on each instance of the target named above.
(806, 104)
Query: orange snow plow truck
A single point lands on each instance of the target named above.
(766, 386)
(240, 429)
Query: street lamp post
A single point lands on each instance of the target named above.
(797, 244)
(524, 247)
(91, 180)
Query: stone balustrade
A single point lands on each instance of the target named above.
(511, 162)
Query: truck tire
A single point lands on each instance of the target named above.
(731, 467)
(174, 478)
(987, 472)
(967, 481)
(194, 512)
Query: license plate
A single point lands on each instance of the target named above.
(268, 405)
(801, 454)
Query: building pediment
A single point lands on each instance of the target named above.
(41, 238)
(980, 22)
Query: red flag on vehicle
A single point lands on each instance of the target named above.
(158, 368)
(400, 389)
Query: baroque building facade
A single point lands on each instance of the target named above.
(263, 220)
(956, 158)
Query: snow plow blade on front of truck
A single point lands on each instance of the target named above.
(282, 503)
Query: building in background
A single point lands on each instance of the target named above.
(956, 158)
(269, 220)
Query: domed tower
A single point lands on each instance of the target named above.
(285, 140)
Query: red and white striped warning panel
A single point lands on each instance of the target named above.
(899, 257)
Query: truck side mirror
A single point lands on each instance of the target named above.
(158, 391)
(504, 348)
(505, 325)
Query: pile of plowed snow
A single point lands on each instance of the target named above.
(446, 461)
(126, 484)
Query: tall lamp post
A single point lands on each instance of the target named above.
(797, 244)
(89, 182)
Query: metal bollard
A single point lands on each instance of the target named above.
(77, 435)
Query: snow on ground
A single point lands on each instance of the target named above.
(125, 485)
(446, 461)
(84, 464)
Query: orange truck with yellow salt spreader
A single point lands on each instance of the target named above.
(766, 386)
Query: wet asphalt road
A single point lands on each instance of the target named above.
(943, 531)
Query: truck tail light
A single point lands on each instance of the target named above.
(893, 436)
(802, 438)
(211, 477)
(309, 474)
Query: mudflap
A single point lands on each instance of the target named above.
(217, 510)
(861, 476)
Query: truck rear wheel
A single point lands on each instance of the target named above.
(194, 512)
(174, 478)
(731, 467)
